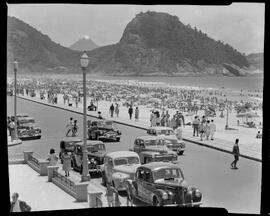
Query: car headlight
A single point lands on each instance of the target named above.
(197, 193)
(164, 196)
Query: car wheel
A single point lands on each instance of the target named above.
(156, 202)
(180, 152)
(118, 139)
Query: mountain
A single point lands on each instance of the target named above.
(152, 44)
(156, 43)
(256, 61)
(35, 51)
(84, 44)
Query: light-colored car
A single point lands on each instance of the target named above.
(169, 135)
(118, 167)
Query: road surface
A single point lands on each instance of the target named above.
(238, 191)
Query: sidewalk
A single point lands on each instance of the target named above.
(250, 147)
(14, 142)
(40, 194)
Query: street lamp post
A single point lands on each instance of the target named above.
(85, 172)
(15, 99)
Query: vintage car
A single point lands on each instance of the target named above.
(67, 144)
(162, 184)
(104, 130)
(95, 151)
(118, 167)
(153, 148)
(27, 128)
(169, 135)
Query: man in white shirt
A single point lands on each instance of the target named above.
(18, 205)
(212, 129)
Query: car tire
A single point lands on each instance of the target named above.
(118, 139)
(156, 201)
(180, 152)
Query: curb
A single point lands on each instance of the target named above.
(17, 143)
(143, 128)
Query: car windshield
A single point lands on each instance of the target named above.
(27, 124)
(26, 121)
(172, 141)
(165, 132)
(126, 161)
(154, 142)
(96, 147)
(167, 174)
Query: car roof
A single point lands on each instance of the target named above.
(118, 154)
(90, 142)
(158, 165)
(150, 137)
(161, 128)
(71, 139)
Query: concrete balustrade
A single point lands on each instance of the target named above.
(50, 170)
(94, 197)
(81, 191)
(43, 167)
(27, 155)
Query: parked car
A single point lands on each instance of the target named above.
(118, 167)
(153, 148)
(67, 144)
(163, 184)
(96, 151)
(104, 130)
(169, 135)
(27, 128)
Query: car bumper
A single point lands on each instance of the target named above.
(194, 204)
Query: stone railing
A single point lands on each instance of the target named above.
(94, 197)
(76, 189)
(40, 165)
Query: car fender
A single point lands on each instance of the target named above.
(158, 193)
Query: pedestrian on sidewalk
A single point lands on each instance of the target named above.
(69, 126)
(117, 110)
(17, 205)
(212, 129)
(112, 110)
(74, 128)
(152, 115)
(202, 129)
(179, 132)
(52, 157)
(130, 112)
(66, 162)
(195, 125)
(109, 194)
(137, 114)
(158, 120)
(173, 123)
(99, 115)
(236, 153)
(207, 129)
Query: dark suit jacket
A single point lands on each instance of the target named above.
(24, 207)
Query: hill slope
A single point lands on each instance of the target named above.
(256, 61)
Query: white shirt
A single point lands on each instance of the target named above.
(16, 207)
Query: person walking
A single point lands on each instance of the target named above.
(74, 128)
(130, 112)
(137, 114)
(52, 157)
(207, 129)
(17, 205)
(152, 116)
(158, 120)
(236, 153)
(173, 122)
(117, 202)
(212, 129)
(195, 125)
(12, 130)
(179, 132)
(69, 126)
(167, 119)
(66, 162)
(117, 110)
(202, 129)
(109, 194)
(112, 110)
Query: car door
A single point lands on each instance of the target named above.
(140, 179)
(148, 185)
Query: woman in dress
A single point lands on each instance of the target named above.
(66, 163)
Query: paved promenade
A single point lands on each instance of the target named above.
(250, 147)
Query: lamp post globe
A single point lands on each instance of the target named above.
(85, 172)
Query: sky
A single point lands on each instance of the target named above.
(240, 24)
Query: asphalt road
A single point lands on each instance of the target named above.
(238, 191)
